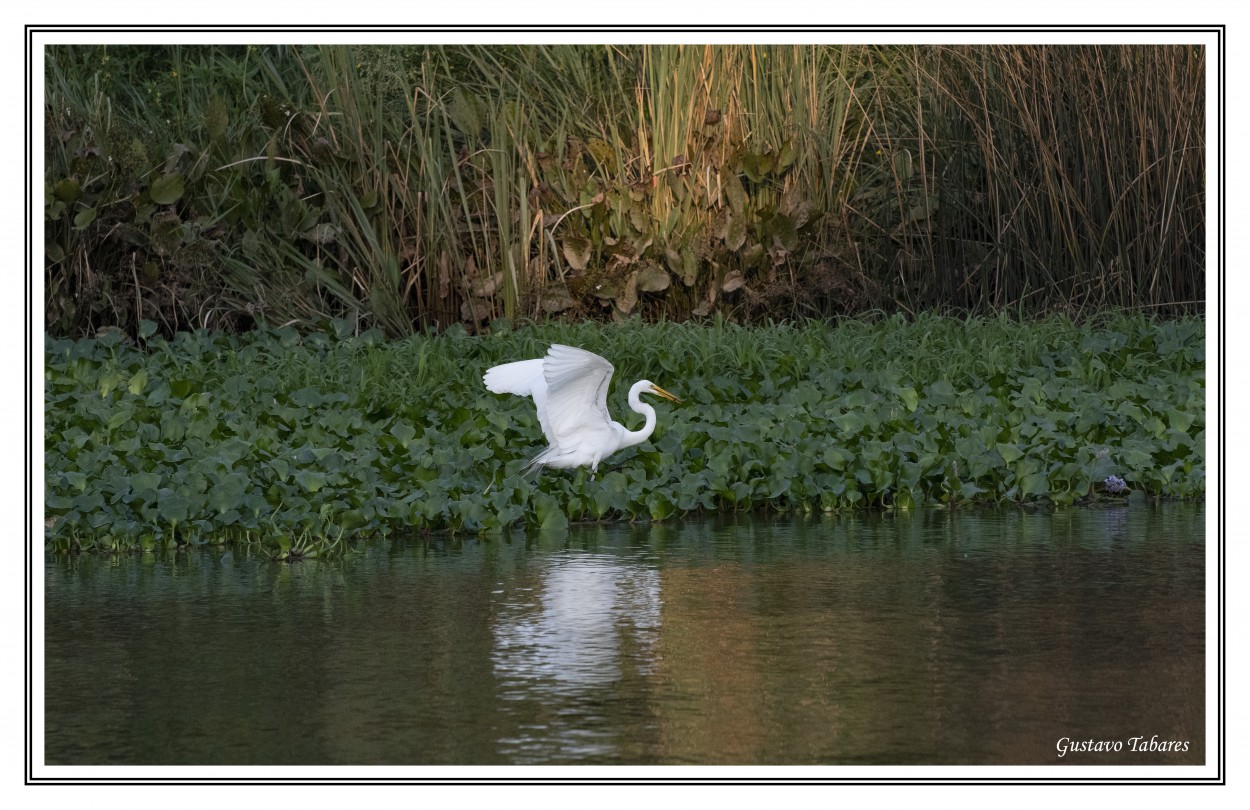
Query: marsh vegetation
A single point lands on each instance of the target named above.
(409, 188)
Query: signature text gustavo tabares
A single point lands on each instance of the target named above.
(1066, 745)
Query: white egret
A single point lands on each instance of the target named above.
(570, 388)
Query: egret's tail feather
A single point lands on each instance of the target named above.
(535, 464)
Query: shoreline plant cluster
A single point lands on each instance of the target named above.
(301, 444)
(410, 188)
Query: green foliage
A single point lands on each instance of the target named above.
(162, 166)
(303, 444)
(408, 187)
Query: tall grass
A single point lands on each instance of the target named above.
(416, 187)
(1090, 165)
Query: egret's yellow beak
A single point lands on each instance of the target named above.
(658, 391)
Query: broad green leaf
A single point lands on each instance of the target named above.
(1132, 411)
(786, 156)
(1181, 420)
(173, 508)
(1009, 452)
(1034, 484)
(223, 500)
(307, 398)
(166, 190)
(910, 398)
(109, 383)
(119, 418)
(757, 166)
(138, 382)
(84, 218)
(160, 393)
(145, 481)
(310, 480)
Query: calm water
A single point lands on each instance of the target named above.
(978, 637)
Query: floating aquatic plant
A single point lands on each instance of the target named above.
(305, 443)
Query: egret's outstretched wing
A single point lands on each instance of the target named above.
(523, 378)
(577, 391)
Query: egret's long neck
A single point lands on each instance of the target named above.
(633, 437)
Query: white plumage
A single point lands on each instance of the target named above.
(570, 389)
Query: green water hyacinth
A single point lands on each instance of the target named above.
(305, 443)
